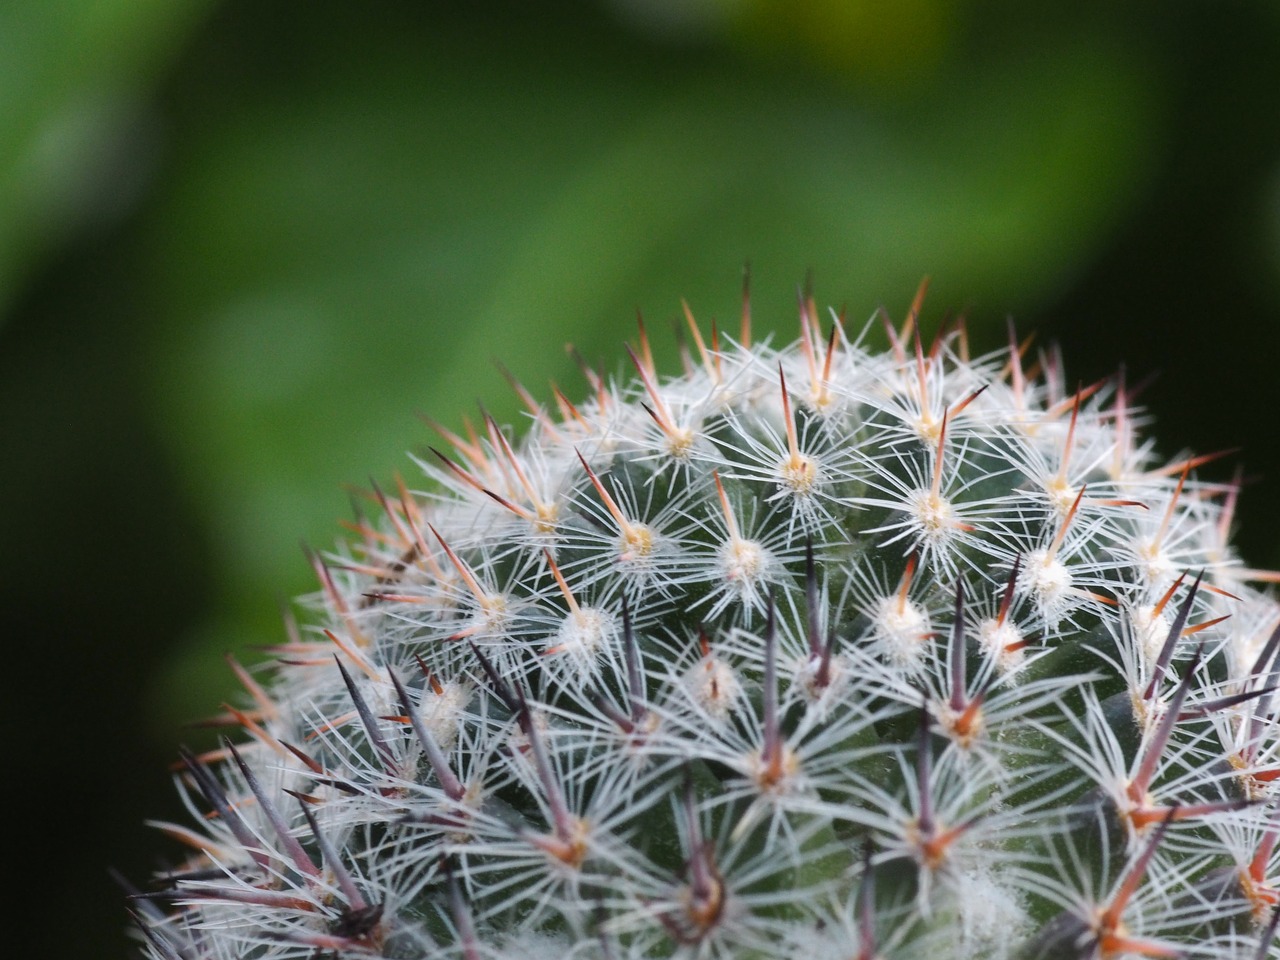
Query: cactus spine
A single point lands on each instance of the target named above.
(814, 651)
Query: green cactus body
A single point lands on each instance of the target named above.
(806, 652)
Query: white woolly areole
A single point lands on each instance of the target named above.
(1157, 566)
(807, 678)
(933, 515)
(1003, 642)
(798, 476)
(900, 626)
(1150, 629)
(1062, 495)
(744, 564)
(1048, 581)
(442, 712)
(636, 546)
(583, 634)
(713, 686)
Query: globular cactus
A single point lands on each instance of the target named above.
(812, 651)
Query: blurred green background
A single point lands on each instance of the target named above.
(243, 244)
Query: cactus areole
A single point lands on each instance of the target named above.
(814, 651)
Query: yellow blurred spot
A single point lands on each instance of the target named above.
(898, 44)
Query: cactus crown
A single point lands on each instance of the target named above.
(814, 651)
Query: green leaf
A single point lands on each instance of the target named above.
(76, 136)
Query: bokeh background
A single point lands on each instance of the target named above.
(244, 244)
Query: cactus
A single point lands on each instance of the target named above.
(814, 651)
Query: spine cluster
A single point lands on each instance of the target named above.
(812, 651)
